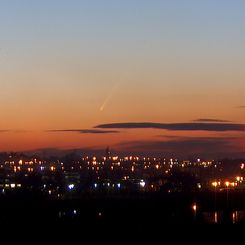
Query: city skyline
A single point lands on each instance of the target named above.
(150, 77)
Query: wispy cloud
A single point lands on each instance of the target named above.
(14, 131)
(209, 120)
(241, 107)
(176, 126)
(4, 131)
(85, 131)
(183, 138)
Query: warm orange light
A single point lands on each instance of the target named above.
(214, 184)
(194, 207)
(227, 183)
(115, 158)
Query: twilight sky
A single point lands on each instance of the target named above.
(157, 76)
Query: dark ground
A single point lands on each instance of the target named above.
(142, 216)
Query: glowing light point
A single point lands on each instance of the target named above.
(194, 207)
(142, 183)
(12, 185)
(71, 186)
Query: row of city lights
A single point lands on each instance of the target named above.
(226, 183)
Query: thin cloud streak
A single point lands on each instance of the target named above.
(85, 131)
(175, 126)
(210, 120)
(14, 131)
(176, 137)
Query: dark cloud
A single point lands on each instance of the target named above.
(241, 107)
(209, 120)
(176, 126)
(177, 146)
(167, 136)
(181, 138)
(56, 152)
(187, 146)
(85, 131)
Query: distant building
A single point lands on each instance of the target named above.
(107, 153)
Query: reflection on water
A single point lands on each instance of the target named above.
(212, 217)
(218, 217)
(196, 216)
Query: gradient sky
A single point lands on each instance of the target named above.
(67, 66)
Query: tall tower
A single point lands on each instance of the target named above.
(107, 153)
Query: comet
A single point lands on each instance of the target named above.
(110, 95)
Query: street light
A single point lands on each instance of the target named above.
(194, 208)
(215, 184)
(227, 184)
